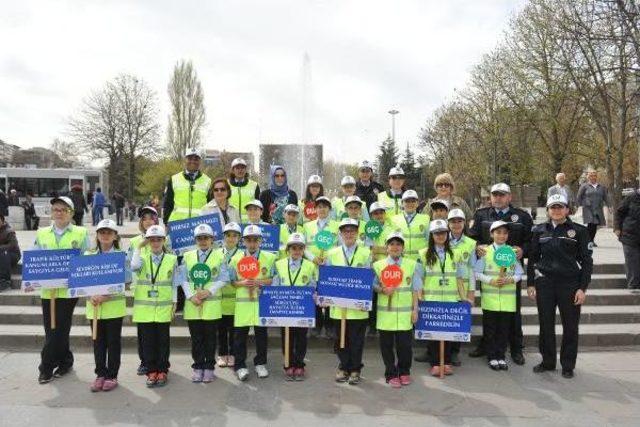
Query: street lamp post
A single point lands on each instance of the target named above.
(393, 124)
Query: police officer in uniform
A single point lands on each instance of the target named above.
(188, 191)
(558, 273)
(520, 224)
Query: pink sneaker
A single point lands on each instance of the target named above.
(197, 375)
(405, 379)
(435, 371)
(298, 374)
(208, 376)
(395, 382)
(448, 370)
(109, 384)
(97, 384)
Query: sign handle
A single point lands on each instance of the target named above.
(343, 327)
(389, 301)
(441, 359)
(94, 331)
(53, 308)
(503, 270)
(286, 346)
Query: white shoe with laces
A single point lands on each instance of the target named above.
(243, 374)
(262, 371)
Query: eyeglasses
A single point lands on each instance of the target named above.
(443, 184)
(60, 210)
(219, 189)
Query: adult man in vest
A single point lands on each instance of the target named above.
(520, 224)
(188, 191)
(56, 357)
(391, 198)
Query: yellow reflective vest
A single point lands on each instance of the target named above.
(153, 292)
(211, 308)
(189, 198)
(394, 312)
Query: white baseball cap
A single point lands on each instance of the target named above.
(352, 199)
(396, 171)
(365, 164)
(395, 235)
(376, 206)
(64, 199)
(254, 202)
(296, 239)
(192, 152)
(442, 202)
(232, 226)
(292, 208)
(557, 199)
(238, 161)
(497, 224)
(323, 199)
(252, 230)
(438, 225)
(147, 209)
(348, 180)
(346, 222)
(410, 194)
(314, 179)
(456, 213)
(202, 230)
(501, 187)
(155, 231)
(108, 224)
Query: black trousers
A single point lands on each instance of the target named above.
(395, 347)
(323, 320)
(155, 345)
(297, 346)
(632, 265)
(78, 218)
(107, 348)
(55, 352)
(225, 335)
(32, 222)
(119, 216)
(551, 293)
(496, 327)
(434, 352)
(516, 337)
(203, 343)
(8, 259)
(373, 314)
(592, 229)
(240, 337)
(140, 355)
(351, 355)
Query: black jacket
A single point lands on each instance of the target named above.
(266, 197)
(167, 206)
(8, 240)
(627, 220)
(79, 203)
(369, 193)
(563, 253)
(519, 227)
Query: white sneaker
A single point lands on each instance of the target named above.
(262, 371)
(243, 374)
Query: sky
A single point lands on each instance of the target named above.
(366, 58)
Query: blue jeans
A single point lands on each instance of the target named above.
(98, 214)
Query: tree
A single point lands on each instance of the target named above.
(386, 159)
(117, 123)
(67, 151)
(188, 116)
(408, 165)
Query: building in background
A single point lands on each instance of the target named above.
(44, 183)
(299, 160)
(6, 153)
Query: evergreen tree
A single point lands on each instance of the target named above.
(386, 159)
(408, 165)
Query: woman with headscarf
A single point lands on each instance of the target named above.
(277, 196)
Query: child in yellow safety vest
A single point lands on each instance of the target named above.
(350, 254)
(203, 301)
(307, 205)
(247, 307)
(338, 204)
(111, 309)
(414, 226)
(148, 217)
(443, 282)
(498, 297)
(295, 271)
(290, 226)
(353, 206)
(229, 249)
(397, 311)
(156, 277)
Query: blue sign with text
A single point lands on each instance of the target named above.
(270, 237)
(287, 306)
(346, 287)
(443, 321)
(181, 231)
(101, 274)
(47, 268)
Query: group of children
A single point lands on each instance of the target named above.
(438, 263)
